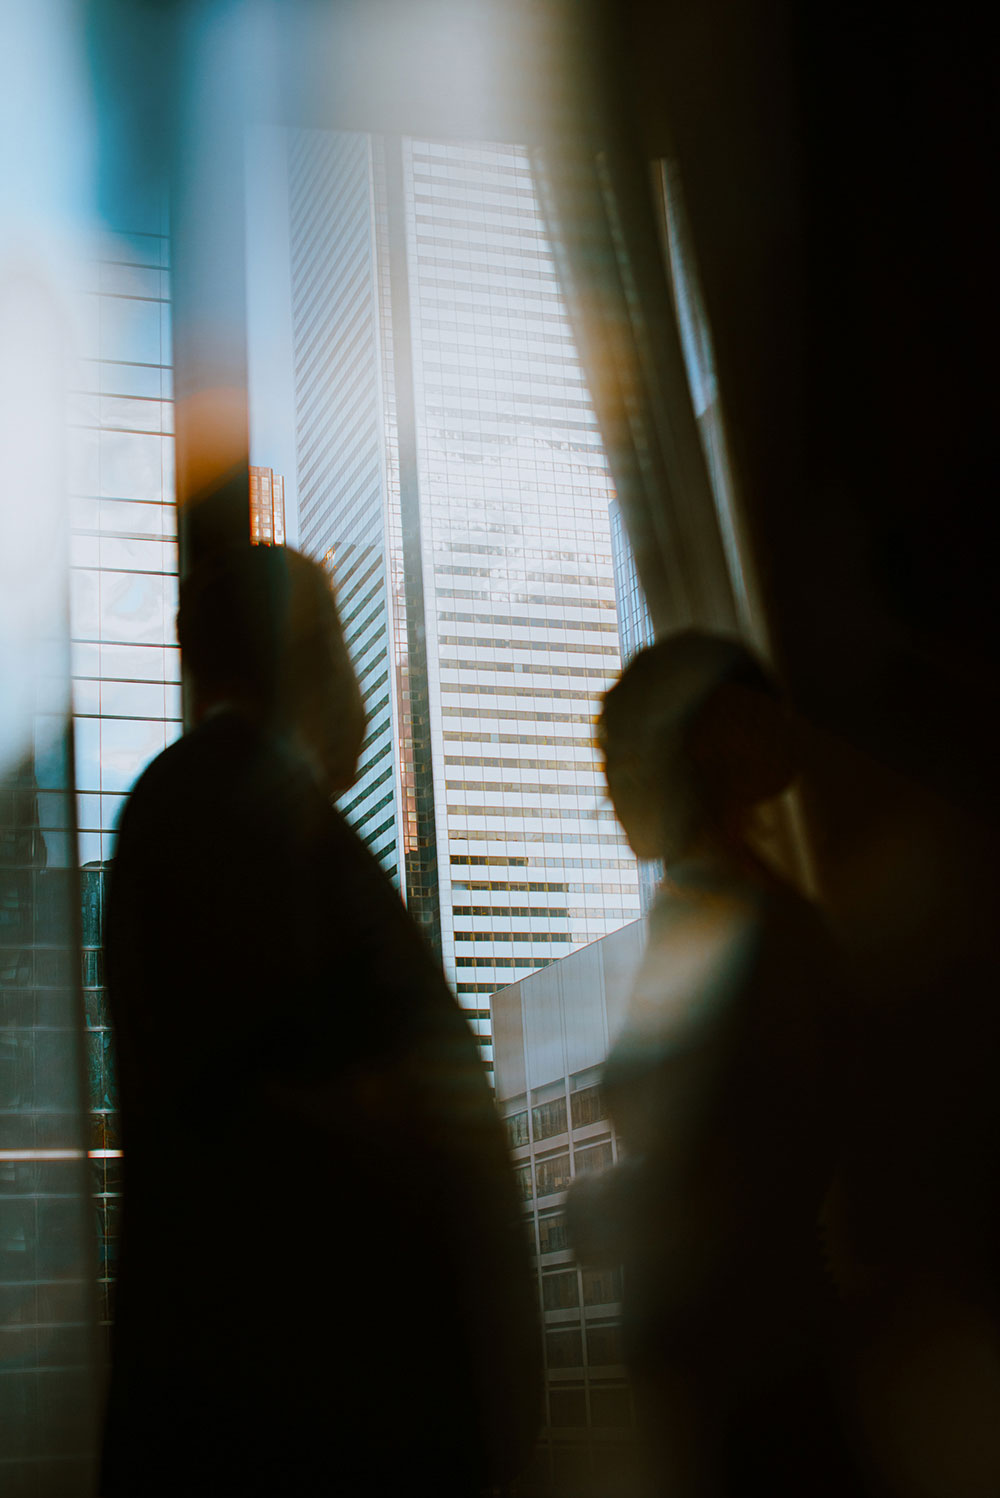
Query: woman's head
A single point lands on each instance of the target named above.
(258, 628)
(694, 735)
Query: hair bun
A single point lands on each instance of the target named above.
(741, 747)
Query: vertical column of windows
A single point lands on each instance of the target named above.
(557, 1132)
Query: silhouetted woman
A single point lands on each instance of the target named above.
(723, 1086)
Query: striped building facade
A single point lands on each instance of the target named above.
(451, 472)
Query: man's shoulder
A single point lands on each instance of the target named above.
(225, 769)
(211, 750)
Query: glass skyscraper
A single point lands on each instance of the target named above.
(125, 658)
(451, 472)
(126, 668)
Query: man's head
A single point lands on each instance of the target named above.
(694, 735)
(258, 629)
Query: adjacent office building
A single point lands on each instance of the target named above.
(451, 473)
(551, 1034)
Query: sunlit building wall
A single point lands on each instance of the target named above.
(125, 659)
(515, 555)
(267, 507)
(551, 1034)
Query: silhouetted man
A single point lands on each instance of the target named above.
(324, 1284)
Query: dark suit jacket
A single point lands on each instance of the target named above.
(323, 1281)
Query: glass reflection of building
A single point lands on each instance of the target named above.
(125, 659)
(449, 463)
(551, 1033)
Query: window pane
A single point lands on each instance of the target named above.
(131, 465)
(552, 1234)
(130, 330)
(564, 1349)
(587, 1107)
(130, 379)
(604, 1346)
(134, 608)
(127, 747)
(83, 460)
(86, 696)
(552, 1175)
(84, 604)
(595, 1157)
(567, 1407)
(559, 1291)
(136, 519)
(87, 750)
(601, 1286)
(130, 280)
(130, 413)
(611, 1407)
(132, 699)
(133, 662)
(138, 556)
(549, 1118)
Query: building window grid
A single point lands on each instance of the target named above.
(602, 1384)
(125, 662)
